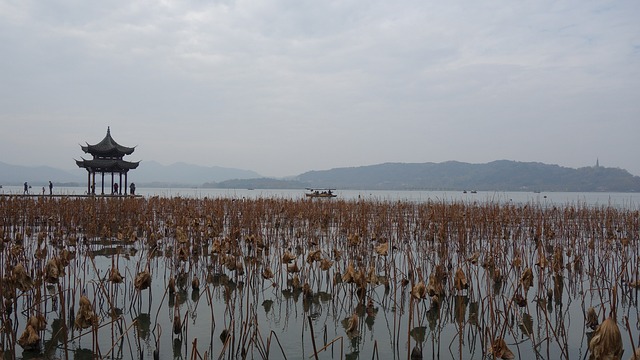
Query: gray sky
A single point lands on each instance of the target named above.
(283, 87)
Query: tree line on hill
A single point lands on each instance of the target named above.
(501, 175)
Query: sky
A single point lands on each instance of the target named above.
(282, 87)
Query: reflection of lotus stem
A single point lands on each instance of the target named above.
(114, 343)
(340, 338)
(409, 324)
(313, 338)
(635, 355)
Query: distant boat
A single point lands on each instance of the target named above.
(320, 193)
(474, 192)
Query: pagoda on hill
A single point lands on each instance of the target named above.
(107, 158)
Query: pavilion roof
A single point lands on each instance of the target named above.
(108, 147)
(107, 165)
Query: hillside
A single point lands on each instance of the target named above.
(149, 173)
(38, 175)
(452, 175)
(501, 175)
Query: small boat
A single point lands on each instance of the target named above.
(320, 193)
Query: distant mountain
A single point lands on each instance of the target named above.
(498, 175)
(37, 175)
(501, 175)
(149, 173)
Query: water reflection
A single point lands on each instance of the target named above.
(143, 326)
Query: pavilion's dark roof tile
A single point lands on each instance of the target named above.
(107, 165)
(108, 147)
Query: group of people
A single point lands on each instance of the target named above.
(27, 187)
(132, 189)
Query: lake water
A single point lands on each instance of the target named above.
(622, 200)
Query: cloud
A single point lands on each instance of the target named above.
(282, 87)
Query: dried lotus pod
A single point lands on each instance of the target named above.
(29, 340)
(419, 291)
(306, 291)
(142, 280)
(293, 268)
(606, 342)
(85, 316)
(591, 319)
(434, 286)
(38, 322)
(500, 350)
(372, 277)
(382, 249)
(267, 273)
(315, 255)
(526, 279)
(349, 274)
(474, 257)
(460, 280)
(114, 276)
(53, 271)
(326, 264)
(22, 280)
(287, 257)
(352, 324)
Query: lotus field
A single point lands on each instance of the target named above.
(278, 278)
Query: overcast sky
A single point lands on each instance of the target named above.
(284, 87)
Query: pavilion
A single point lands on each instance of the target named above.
(107, 158)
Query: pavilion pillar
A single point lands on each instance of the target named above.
(125, 183)
(102, 172)
(88, 181)
(93, 186)
(120, 183)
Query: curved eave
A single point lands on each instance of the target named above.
(105, 151)
(107, 165)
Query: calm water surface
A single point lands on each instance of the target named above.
(620, 200)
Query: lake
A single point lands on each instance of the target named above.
(626, 200)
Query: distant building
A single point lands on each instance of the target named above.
(107, 158)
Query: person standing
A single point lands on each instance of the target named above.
(132, 187)
(50, 188)
(115, 189)
(26, 189)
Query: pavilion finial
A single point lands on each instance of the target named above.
(108, 131)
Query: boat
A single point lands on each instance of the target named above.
(320, 193)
